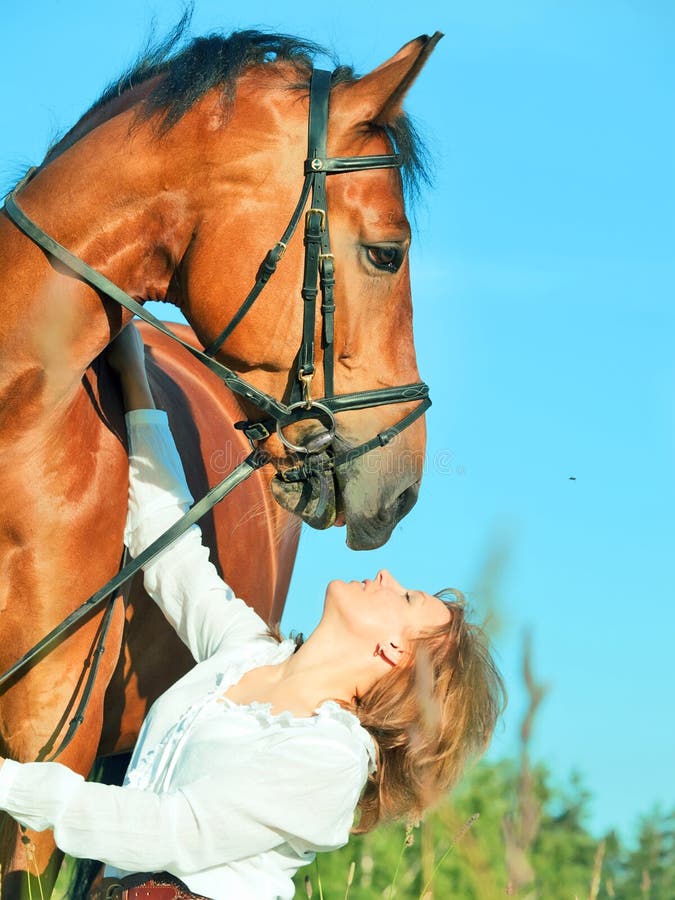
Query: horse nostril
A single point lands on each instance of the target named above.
(406, 500)
(401, 505)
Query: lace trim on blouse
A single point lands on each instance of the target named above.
(164, 755)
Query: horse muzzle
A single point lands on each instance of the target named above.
(323, 494)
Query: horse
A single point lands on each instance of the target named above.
(173, 186)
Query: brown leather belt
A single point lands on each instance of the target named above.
(158, 886)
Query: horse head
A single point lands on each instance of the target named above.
(186, 182)
(255, 165)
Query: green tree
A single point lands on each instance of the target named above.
(460, 849)
(649, 871)
(563, 853)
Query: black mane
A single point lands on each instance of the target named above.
(191, 68)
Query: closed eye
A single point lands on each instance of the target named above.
(407, 596)
(386, 258)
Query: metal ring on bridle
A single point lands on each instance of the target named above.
(298, 412)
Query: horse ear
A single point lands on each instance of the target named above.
(378, 96)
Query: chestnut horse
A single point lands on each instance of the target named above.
(174, 185)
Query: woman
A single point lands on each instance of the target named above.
(258, 757)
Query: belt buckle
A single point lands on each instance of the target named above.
(114, 892)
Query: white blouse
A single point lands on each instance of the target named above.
(231, 799)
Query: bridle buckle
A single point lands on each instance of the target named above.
(318, 212)
(305, 378)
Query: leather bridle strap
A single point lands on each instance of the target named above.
(267, 268)
(101, 283)
(276, 410)
(319, 262)
(319, 98)
(317, 243)
(310, 467)
(91, 665)
(407, 393)
(246, 468)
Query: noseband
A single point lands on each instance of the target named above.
(319, 275)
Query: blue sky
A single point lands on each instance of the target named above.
(543, 276)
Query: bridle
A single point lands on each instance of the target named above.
(314, 458)
(319, 274)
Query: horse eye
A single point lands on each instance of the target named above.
(388, 259)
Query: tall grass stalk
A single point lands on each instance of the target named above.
(31, 860)
(350, 879)
(597, 872)
(407, 841)
(453, 843)
(318, 878)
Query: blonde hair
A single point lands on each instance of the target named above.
(428, 718)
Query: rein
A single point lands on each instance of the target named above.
(108, 592)
(319, 275)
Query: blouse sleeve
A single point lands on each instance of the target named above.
(198, 604)
(298, 794)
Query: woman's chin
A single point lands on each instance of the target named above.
(339, 592)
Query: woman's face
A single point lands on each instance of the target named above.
(382, 609)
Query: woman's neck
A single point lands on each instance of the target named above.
(329, 666)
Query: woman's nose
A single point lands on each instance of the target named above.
(386, 579)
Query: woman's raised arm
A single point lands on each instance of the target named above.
(199, 605)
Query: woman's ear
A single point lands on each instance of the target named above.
(391, 651)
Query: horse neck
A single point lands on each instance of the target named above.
(98, 115)
(130, 204)
(116, 199)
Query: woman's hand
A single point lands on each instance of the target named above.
(126, 356)
(126, 353)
